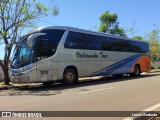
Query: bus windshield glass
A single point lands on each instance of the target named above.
(22, 54)
(44, 46)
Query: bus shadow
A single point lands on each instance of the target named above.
(58, 88)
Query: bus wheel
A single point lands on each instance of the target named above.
(50, 83)
(137, 71)
(70, 76)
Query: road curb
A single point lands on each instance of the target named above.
(154, 71)
(5, 87)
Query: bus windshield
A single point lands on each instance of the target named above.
(22, 54)
(44, 46)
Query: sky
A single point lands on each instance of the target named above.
(84, 14)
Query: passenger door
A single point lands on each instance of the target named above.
(43, 54)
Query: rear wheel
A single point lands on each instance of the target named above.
(137, 71)
(70, 76)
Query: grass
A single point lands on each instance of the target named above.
(1, 83)
(155, 70)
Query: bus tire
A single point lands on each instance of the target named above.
(137, 71)
(69, 76)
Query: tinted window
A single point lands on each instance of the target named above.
(107, 43)
(131, 46)
(121, 45)
(143, 47)
(93, 42)
(75, 40)
(54, 36)
(44, 49)
(47, 44)
(24, 54)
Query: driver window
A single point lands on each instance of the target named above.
(44, 49)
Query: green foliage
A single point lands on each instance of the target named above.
(103, 28)
(16, 15)
(109, 24)
(108, 18)
(119, 31)
(55, 11)
(154, 42)
(154, 67)
(131, 31)
(1, 83)
(138, 38)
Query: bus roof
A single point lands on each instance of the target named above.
(83, 31)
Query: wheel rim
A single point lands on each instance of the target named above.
(69, 76)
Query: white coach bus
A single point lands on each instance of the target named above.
(59, 53)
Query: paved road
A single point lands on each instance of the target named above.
(107, 94)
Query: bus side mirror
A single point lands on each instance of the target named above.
(32, 37)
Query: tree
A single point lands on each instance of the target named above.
(131, 31)
(109, 24)
(15, 15)
(138, 38)
(153, 40)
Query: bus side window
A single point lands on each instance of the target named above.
(142, 47)
(44, 49)
(93, 42)
(107, 44)
(54, 36)
(122, 45)
(75, 41)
